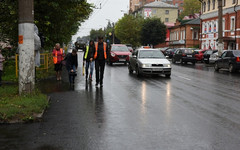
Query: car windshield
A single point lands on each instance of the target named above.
(236, 53)
(188, 51)
(151, 54)
(116, 48)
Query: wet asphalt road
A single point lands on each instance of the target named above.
(196, 109)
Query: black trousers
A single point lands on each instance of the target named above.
(99, 67)
(0, 77)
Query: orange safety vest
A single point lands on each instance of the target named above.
(55, 57)
(104, 47)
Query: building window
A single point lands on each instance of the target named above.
(166, 19)
(213, 3)
(195, 35)
(166, 11)
(208, 5)
(215, 27)
(223, 3)
(204, 6)
(210, 27)
(232, 23)
(233, 1)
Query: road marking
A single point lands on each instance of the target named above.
(185, 78)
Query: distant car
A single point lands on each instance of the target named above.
(163, 50)
(230, 60)
(130, 49)
(199, 54)
(207, 55)
(170, 52)
(184, 55)
(149, 61)
(119, 53)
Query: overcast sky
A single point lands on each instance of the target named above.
(110, 9)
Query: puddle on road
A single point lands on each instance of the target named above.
(51, 86)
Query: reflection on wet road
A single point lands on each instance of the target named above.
(196, 109)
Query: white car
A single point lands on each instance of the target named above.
(149, 61)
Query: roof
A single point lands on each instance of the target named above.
(194, 21)
(159, 4)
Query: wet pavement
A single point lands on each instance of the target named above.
(196, 108)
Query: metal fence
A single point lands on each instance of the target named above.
(46, 61)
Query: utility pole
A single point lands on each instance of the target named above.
(113, 33)
(220, 30)
(26, 46)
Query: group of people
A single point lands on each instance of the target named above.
(95, 52)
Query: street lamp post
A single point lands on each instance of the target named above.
(113, 34)
(220, 30)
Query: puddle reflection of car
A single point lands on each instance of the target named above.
(149, 61)
(119, 53)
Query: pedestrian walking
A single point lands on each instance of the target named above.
(71, 65)
(58, 56)
(100, 56)
(88, 59)
(2, 59)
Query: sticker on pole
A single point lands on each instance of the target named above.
(20, 39)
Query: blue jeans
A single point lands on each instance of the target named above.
(91, 64)
(71, 77)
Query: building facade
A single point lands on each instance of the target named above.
(209, 24)
(185, 34)
(166, 12)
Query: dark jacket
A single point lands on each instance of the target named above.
(71, 61)
(90, 54)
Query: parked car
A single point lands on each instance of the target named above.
(149, 61)
(184, 55)
(119, 53)
(129, 46)
(228, 60)
(170, 52)
(199, 54)
(163, 50)
(214, 56)
(207, 55)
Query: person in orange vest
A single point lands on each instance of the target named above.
(100, 56)
(58, 56)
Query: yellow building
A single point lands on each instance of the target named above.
(166, 12)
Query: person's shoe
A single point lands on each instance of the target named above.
(96, 84)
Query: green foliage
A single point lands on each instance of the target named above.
(58, 20)
(94, 34)
(128, 29)
(190, 7)
(153, 32)
(15, 107)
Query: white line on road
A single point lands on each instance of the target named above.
(185, 78)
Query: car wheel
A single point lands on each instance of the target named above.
(231, 68)
(181, 61)
(167, 75)
(173, 60)
(110, 63)
(130, 69)
(193, 63)
(216, 66)
(137, 72)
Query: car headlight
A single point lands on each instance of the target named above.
(167, 65)
(146, 65)
(113, 55)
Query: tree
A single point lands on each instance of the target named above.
(94, 34)
(128, 28)
(153, 32)
(190, 7)
(57, 20)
